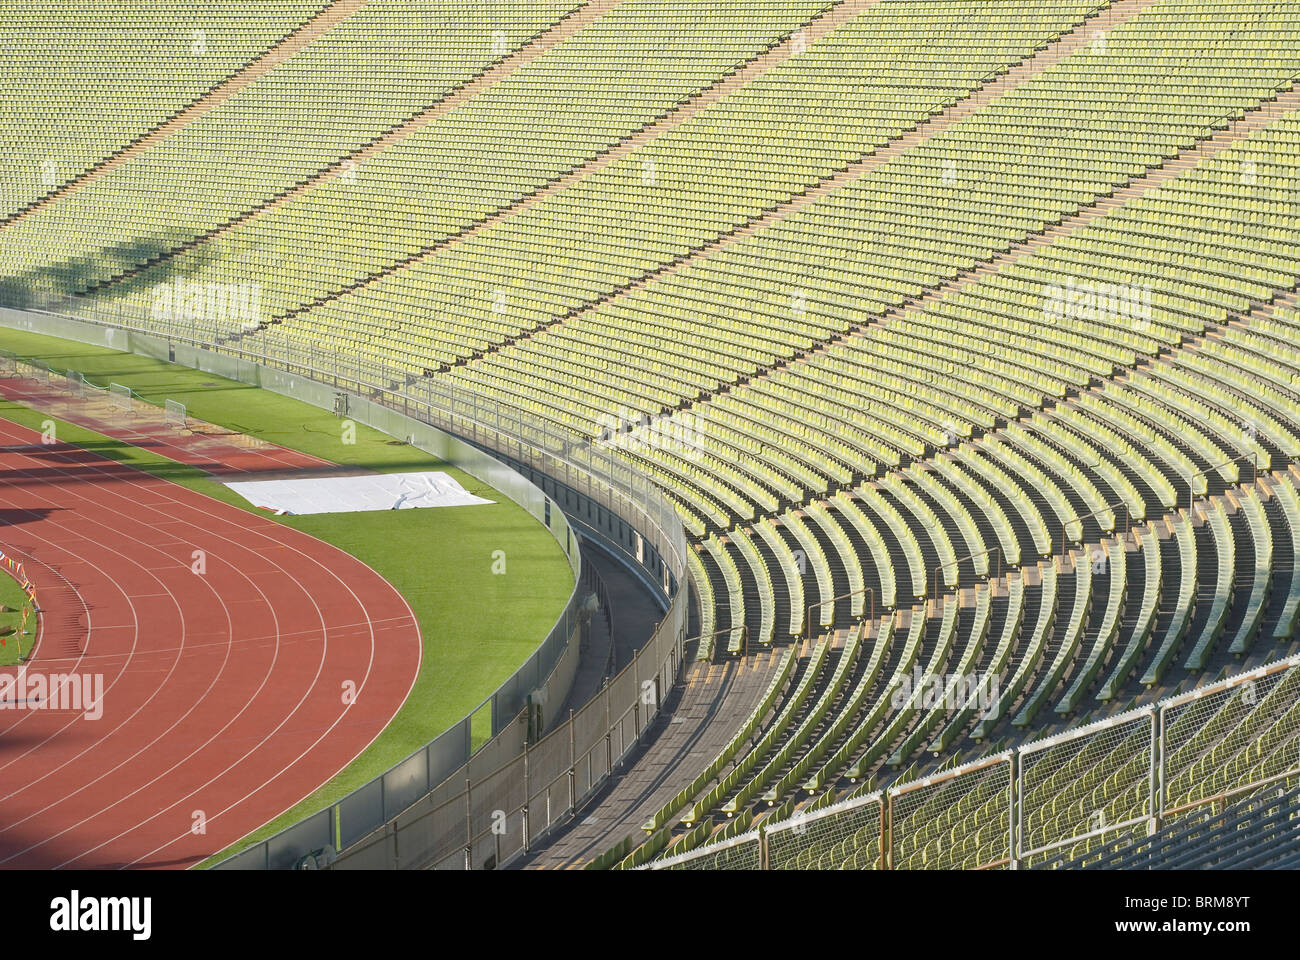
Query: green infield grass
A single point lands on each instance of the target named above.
(477, 626)
(13, 642)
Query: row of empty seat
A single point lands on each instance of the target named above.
(336, 95)
(994, 437)
(80, 80)
(629, 67)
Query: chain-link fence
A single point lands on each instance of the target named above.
(960, 820)
(1086, 784)
(738, 853)
(839, 837)
(1050, 800)
(1229, 739)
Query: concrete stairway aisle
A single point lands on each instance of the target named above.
(698, 719)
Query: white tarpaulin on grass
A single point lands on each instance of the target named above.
(380, 491)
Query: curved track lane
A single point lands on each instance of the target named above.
(225, 692)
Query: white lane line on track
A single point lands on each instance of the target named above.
(293, 636)
(124, 670)
(75, 661)
(211, 686)
(171, 501)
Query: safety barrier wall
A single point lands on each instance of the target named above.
(458, 802)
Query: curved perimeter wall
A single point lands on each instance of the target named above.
(447, 805)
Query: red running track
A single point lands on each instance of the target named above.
(223, 692)
(215, 453)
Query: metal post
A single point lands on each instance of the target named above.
(573, 773)
(609, 731)
(1158, 755)
(884, 832)
(1012, 863)
(1019, 812)
(890, 797)
(636, 695)
(528, 795)
(469, 827)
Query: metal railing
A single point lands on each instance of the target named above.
(1060, 795)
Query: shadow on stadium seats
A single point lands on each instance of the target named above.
(79, 274)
